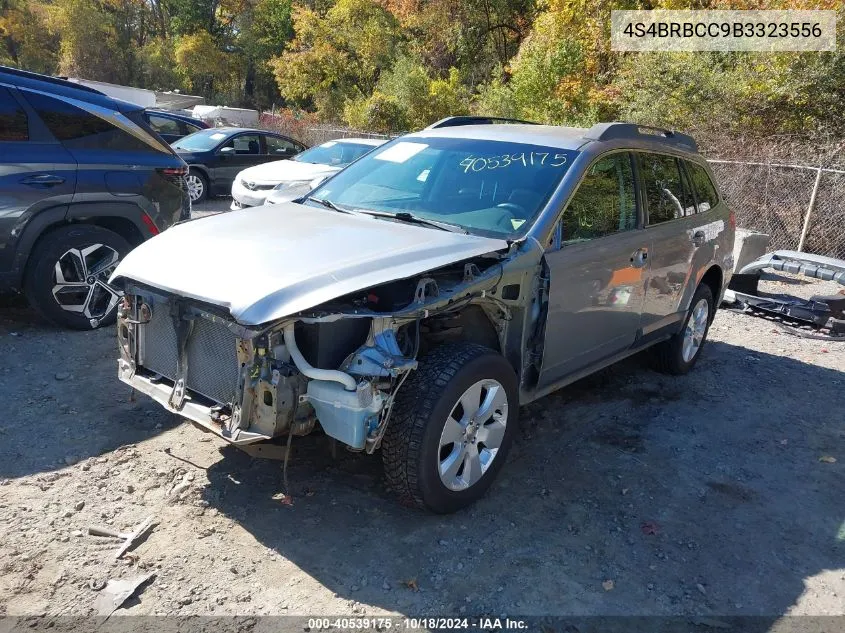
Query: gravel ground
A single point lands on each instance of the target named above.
(626, 493)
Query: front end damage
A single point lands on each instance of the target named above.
(340, 364)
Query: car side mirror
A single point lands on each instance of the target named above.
(227, 151)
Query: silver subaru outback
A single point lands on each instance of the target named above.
(412, 302)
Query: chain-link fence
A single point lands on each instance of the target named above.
(800, 207)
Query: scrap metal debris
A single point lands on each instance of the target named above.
(129, 538)
(819, 317)
(116, 592)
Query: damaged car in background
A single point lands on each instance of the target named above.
(415, 300)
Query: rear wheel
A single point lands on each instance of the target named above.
(451, 429)
(679, 354)
(67, 279)
(197, 185)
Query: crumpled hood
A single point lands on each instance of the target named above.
(265, 263)
(284, 171)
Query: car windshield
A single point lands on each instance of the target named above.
(336, 153)
(201, 141)
(493, 188)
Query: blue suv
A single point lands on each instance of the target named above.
(83, 180)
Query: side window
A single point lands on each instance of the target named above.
(78, 129)
(667, 192)
(13, 122)
(190, 128)
(604, 202)
(163, 125)
(705, 190)
(245, 144)
(279, 146)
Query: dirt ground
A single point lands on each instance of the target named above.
(627, 493)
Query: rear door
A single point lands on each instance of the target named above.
(598, 272)
(671, 225)
(36, 173)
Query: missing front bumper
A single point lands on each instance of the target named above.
(206, 416)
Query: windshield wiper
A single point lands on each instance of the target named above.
(404, 216)
(328, 204)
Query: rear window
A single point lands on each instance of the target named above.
(705, 190)
(79, 129)
(13, 123)
(667, 190)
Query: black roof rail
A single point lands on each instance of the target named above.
(454, 121)
(60, 81)
(632, 131)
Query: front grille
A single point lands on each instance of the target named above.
(212, 354)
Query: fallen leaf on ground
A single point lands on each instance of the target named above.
(412, 584)
(309, 492)
(608, 585)
(281, 497)
(624, 491)
(827, 459)
(650, 528)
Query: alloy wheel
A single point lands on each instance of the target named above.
(473, 434)
(195, 185)
(695, 330)
(81, 281)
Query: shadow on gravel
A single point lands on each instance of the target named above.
(62, 399)
(697, 496)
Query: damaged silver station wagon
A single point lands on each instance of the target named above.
(412, 302)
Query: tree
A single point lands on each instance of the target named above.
(337, 57)
(26, 39)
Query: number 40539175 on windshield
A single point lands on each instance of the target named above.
(525, 159)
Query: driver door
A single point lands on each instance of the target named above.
(598, 273)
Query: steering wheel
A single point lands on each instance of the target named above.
(516, 210)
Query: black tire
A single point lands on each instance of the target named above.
(411, 445)
(41, 280)
(669, 355)
(203, 182)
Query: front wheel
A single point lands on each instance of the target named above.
(679, 354)
(452, 427)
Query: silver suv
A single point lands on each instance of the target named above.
(416, 299)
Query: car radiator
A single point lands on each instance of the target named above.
(212, 354)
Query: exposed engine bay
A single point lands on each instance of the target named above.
(339, 364)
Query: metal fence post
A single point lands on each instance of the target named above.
(812, 204)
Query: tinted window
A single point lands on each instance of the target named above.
(666, 191)
(705, 191)
(492, 187)
(604, 203)
(13, 124)
(245, 144)
(163, 125)
(281, 146)
(337, 153)
(78, 129)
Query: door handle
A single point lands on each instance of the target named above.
(698, 238)
(44, 180)
(639, 258)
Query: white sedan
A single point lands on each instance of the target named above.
(292, 177)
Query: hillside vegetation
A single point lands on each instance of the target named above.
(391, 65)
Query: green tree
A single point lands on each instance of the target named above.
(337, 57)
(26, 39)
